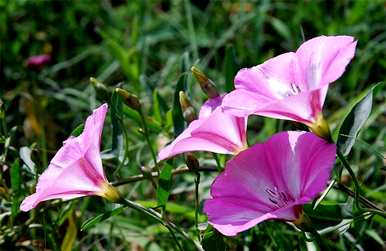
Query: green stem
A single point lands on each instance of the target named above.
(153, 214)
(146, 134)
(362, 199)
(197, 203)
(352, 174)
(177, 171)
(215, 156)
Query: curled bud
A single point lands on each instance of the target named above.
(187, 108)
(192, 162)
(129, 99)
(206, 84)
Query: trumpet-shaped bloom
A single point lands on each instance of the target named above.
(213, 131)
(76, 169)
(293, 85)
(270, 181)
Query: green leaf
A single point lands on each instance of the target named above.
(212, 240)
(101, 217)
(375, 236)
(178, 118)
(327, 215)
(78, 130)
(164, 184)
(116, 120)
(70, 236)
(156, 107)
(15, 185)
(230, 68)
(354, 121)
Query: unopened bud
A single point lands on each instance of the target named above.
(187, 108)
(98, 84)
(192, 162)
(206, 84)
(129, 99)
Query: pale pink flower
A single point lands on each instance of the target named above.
(213, 131)
(270, 181)
(76, 169)
(293, 85)
(38, 61)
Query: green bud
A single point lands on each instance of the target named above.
(187, 108)
(129, 99)
(206, 84)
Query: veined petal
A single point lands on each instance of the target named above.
(232, 216)
(276, 78)
(209, 106)
(269, 181)
(214, 131)
(323, 59)
(241, 102)
(76, 169)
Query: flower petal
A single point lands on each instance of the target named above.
(185, 142)
(324, 59)
(214, 131)
(231, 216)
(316, 159)
(76, 169)
(273, 79)
(269, 181)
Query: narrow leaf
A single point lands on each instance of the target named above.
(164, 185)
(229, 68)
(101, 217)
(178, 118)
(354, 121)
(78, 130)
(70, 236)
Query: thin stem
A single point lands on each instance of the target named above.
(219, 168)
(146, 134)
(177, 171)
(362, 199)
(352, 174)
(156, 216)
(197, 203)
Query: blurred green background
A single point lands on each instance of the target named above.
(148, 47)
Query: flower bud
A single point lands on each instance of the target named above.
(192, 162)
(187, 109)
(129, 99)
(98, 84)
(206, 84)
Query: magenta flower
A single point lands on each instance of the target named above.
(213, 131)
(270, 181)
(38, 61)
(293, 85)
(76, 169)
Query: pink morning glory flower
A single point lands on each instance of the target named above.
(76, 169)
(38, 61)
(213, 131)
(270, 181)
(293, 85)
